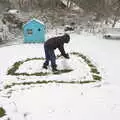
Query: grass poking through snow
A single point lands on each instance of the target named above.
(2, 112)
(93, 70)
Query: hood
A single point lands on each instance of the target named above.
(66, 38)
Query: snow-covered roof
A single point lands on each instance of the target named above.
(34, 19)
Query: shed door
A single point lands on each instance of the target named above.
(39, 33)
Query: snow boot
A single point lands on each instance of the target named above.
(45, 66)
(54, 68)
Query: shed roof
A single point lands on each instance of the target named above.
(34, 19)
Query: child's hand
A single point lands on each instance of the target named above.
(67, 56)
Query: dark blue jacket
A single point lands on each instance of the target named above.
(58, 42)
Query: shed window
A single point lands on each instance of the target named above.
(39, 29)
(29, 31)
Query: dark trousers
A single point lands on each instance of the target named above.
(49, 56)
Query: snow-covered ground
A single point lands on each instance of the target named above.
(56, 101)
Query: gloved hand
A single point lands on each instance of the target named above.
(67, 56)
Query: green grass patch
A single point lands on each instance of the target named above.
(97, 77)
(32, 74)
(2, 112)
(63, 71)
(94, 70)
(12, 70)
(83, 82)
(75, 53)
(28, 59)
(91, 65)
(47, 82)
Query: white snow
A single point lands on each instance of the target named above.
(13, 11)
(56, 101)
(71, 3)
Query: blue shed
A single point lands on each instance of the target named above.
(34, 31)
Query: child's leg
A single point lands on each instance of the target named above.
(47, 57)
(53, 60)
